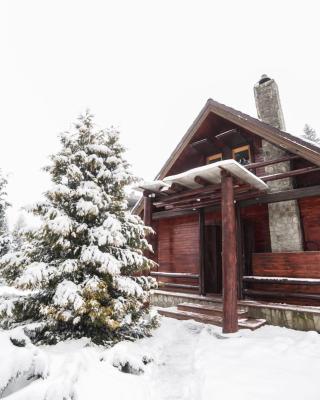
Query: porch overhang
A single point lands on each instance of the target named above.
(212, 174)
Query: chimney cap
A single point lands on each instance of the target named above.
(264, 78)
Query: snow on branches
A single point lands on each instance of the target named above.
(78, 272)
(5, 237)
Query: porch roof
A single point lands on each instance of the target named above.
(210, 173)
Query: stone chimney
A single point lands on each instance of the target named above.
(284, 217)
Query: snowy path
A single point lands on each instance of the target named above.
(176, 377)
(190, 361)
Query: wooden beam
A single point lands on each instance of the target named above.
(271, 162)
(222, 135)
(240, 194)
(229, 255)
(190, 193)
(265, 198)
(282, 280)
(178, 187)
(179, 285)
(202, 181)
(288, 174)
(202, 251)
(292, 194)
(147, 211)
(172, 213)
(175, 275)
(236, 179)
(199, 194)
(204, 146)
(205, 203)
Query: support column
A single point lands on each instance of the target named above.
(147, 219)
(229, 255)
(147, 210)
(202, 290)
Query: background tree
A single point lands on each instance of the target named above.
(5, 238)
(310, 134)
(79, 271)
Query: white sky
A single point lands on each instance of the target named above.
(146, 66)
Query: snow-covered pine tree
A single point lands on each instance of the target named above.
(310, 134)
(78, 273)
(5, 238)
(18, 233)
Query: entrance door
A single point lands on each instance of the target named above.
(212, 259)
(248, 244)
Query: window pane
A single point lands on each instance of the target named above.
(242, 157)
(214, 158)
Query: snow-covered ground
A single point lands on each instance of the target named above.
(183, 360)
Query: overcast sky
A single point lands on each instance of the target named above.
(147, 67)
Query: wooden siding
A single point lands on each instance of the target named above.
(178, 247)
(310, 217)
(291, 265)
(259, 218)
(256, 215)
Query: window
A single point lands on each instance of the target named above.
(214, 158)
(242, 155)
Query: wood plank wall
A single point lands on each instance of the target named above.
(178, 247)
(291, 265)
(257, 216)
(310, 217)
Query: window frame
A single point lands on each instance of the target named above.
(217, 156)
(242, 148)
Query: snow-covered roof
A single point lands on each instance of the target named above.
(211, 173)
(295, 145)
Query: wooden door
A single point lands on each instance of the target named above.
(248, 246)
(212, 259)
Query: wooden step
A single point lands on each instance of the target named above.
(173, 312)
(208, 309)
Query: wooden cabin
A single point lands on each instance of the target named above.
(236, 209)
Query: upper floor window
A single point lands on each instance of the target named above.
(214, 158)
(242, 155)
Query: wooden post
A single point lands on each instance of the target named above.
(201, 252)
(147, 219)
(147, 211)
(229, 255)
(240, 252)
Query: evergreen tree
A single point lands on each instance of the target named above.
(79, 271)
(5, 238)
(310, 134)
(18, 233)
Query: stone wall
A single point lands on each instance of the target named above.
(284, 217)
(301, 318)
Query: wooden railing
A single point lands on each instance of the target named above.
(181, 275)
(279, 281)
(285, 280)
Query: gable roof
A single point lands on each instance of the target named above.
(309, 151)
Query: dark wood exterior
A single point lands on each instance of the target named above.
(189, 223)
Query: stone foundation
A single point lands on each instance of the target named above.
(301, 318)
